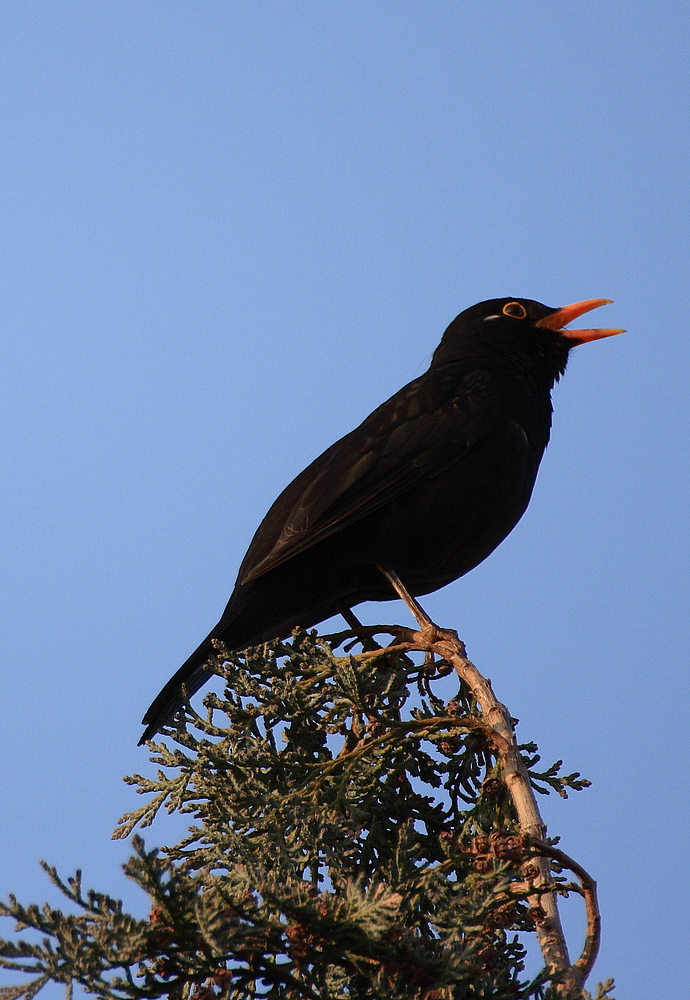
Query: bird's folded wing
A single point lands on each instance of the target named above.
(417, 434)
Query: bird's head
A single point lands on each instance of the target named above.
(522, 331)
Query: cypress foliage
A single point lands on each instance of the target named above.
(351, 838)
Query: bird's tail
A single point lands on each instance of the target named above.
(244, 623)
(193, 675)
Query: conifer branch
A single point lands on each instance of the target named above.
(588, 890)
(521, 783)
(352, 834)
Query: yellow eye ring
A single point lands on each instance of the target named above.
(514, 309)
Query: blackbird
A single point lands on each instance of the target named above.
(421, 492)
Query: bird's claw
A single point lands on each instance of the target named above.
(430, 633)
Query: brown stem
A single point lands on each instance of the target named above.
(445, 643)
(549, 930)
(588, 886)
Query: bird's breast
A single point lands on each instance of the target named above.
(446, 525)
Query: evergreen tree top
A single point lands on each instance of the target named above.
(352, 837)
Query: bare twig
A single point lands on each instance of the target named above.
(549, 930)
(588, 887)
(446, 644)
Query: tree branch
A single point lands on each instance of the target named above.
(446, 644)
(590, 950)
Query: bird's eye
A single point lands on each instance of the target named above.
(514, 309)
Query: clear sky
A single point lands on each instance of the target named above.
(228, 230)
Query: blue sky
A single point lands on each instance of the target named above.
(227, 232)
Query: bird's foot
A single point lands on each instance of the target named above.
(432, 633)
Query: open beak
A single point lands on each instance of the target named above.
(561, 317)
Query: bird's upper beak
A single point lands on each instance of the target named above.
(561, 317)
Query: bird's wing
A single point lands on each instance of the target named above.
(417, 434)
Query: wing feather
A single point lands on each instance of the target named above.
(417, 434)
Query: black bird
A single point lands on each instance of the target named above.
(424, 489)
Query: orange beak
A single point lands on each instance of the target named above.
(557, 320)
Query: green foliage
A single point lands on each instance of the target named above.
(351, 838)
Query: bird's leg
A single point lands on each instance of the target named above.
(431, 632)
(423, 620)
(368, 642)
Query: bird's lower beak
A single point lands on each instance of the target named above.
(561, 317)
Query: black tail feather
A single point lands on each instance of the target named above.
(193, 675)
